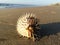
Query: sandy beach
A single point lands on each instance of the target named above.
(50, 25)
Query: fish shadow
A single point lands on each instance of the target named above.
(49, 29)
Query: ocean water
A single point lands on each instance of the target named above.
(4, 7)
(10, 7)
(15, 6)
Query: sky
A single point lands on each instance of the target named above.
(34, 2)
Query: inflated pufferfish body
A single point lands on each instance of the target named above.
(22, 24)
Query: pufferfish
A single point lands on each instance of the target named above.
(23, 23)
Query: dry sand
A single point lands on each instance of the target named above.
(50, 26)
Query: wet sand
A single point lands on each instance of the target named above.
(50, 26)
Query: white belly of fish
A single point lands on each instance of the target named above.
(21, 27)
